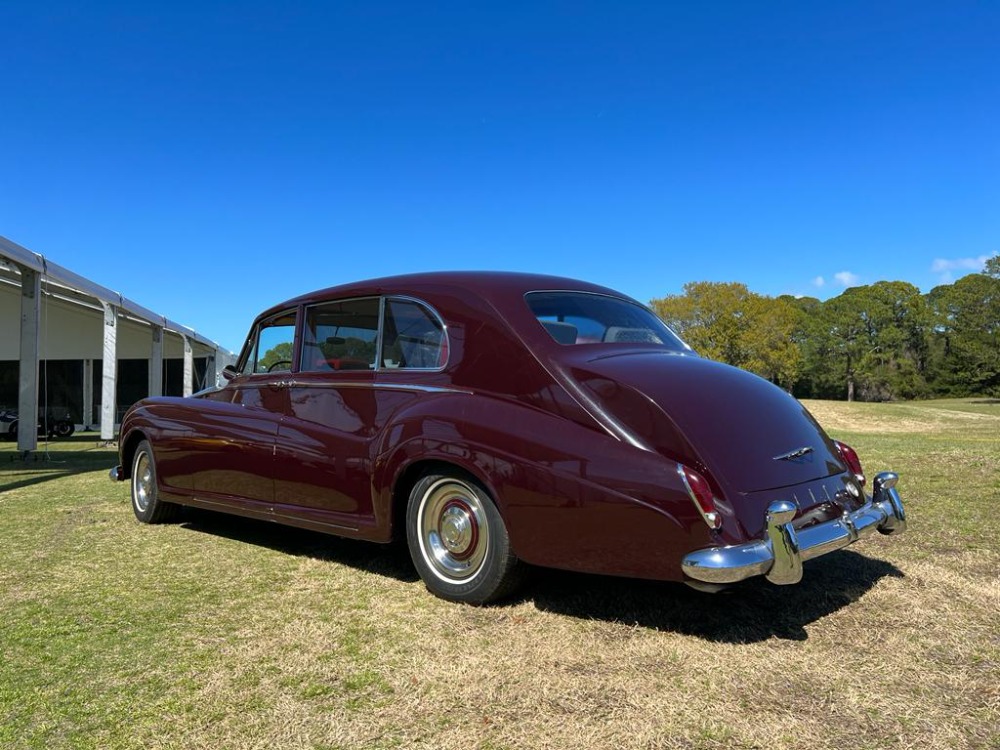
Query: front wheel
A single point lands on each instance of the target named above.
(146, 502)
(458, 540)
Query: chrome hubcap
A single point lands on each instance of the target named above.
(142, 482)
(454, 536)
(459, 530)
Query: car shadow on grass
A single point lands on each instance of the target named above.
(751, 611)
(391, 560)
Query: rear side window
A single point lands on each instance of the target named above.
(413, 337)
(340, 335)
(584, 318)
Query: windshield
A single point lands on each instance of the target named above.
(585, 318)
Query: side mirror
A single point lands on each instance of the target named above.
(229, 372)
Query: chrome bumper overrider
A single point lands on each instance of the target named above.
(780, 554)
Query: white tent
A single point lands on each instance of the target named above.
(50, 313)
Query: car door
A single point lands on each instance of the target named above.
(241, 421)
(323, 457)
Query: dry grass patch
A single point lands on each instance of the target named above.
(224, 633)
(953, 417)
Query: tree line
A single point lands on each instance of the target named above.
(879, 342)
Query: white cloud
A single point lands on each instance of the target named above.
(846, 278)
(819, 281)
(945, 265)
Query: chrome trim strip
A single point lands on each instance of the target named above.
(376, 386)
(780, 554)
(379, 334)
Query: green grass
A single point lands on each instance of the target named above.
(219, 632)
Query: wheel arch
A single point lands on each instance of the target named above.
(413, 472)
(128, 448)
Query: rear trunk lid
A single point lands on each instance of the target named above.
(750, 434)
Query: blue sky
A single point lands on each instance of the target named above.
(210, 159)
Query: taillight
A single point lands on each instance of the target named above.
(701, 494)
(850, 457)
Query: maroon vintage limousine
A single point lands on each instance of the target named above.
(498, 419)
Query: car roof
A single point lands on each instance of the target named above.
(495, 285)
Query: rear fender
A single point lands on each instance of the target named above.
(586, 501)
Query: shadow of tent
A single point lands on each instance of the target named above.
(43, 465)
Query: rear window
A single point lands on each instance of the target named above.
(584, 318)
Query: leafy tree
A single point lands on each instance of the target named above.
(877, 342)
(280, 353)
(811, 335)
(771, 350)
(967, 333)
(729, 323)
(708, 317)
(992, 267)
(843, 339)
(879, 335)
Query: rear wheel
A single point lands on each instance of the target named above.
(458, 540)
(64, 428)
(146, 503)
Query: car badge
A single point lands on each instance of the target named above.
(797, 453)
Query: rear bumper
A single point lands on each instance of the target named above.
(117, 474)
(780, 554)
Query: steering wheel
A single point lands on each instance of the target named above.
(281, 363)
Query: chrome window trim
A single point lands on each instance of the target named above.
(434, 313)
(339, 300)
(253, 339)
(383, 300)
(380, 334)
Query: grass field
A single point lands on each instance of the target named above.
(224, 633)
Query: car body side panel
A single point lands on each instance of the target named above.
(240, 459)
(211, 447)
(585, 502)
(323, 457)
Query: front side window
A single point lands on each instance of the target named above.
(413, 337)
(584, 318)
(272, 346)
(340, 335)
